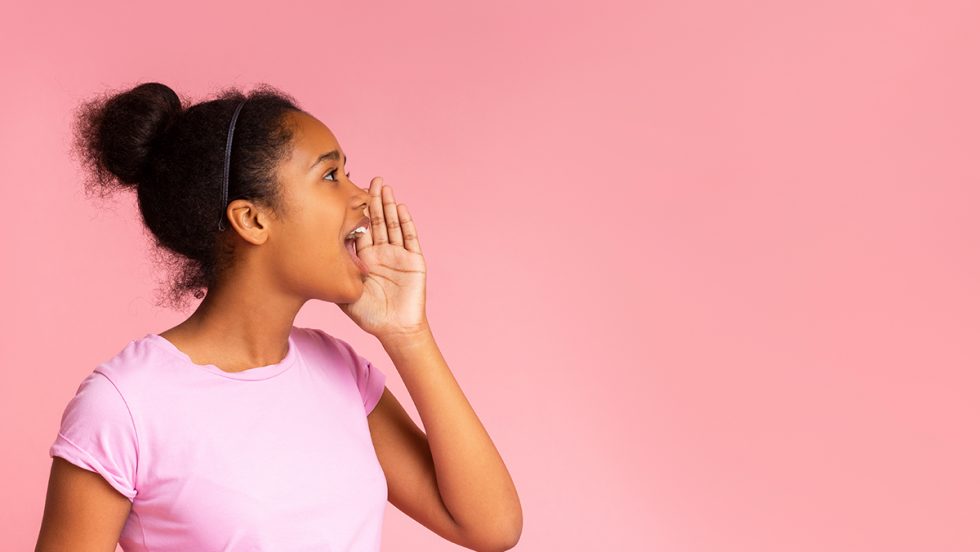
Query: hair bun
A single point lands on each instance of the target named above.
(118, 133)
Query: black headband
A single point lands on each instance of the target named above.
(224, 180)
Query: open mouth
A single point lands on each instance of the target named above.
(352, 251)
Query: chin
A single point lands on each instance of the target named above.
(346, 288)
(358, 289)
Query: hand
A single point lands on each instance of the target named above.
(393, 302)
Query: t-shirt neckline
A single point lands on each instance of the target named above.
(257, 373)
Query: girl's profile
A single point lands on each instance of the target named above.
(236, 429)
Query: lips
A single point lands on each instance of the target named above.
(352, 249)
(365, 222)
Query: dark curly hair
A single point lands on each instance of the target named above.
(172, 153)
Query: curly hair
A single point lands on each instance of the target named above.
(172, 153)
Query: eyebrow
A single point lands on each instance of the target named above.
(329, 155)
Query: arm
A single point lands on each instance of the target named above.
(82, 512)
(451, 478)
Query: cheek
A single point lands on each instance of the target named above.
(295, 247)
(313, 248)
(310, 241)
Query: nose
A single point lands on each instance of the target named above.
(361, 200)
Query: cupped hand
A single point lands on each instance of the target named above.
(393, 301)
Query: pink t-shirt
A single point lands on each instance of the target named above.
(277, 457)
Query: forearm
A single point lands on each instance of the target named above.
(473, 481)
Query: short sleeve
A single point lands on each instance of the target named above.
(97, 434)
(370, 380)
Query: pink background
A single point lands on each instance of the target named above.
(706, 270)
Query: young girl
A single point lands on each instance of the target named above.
(235, 429)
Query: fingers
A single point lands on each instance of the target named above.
(408, 229)
(391, 215)
(379, 233)
(390, 221)
(363, 239)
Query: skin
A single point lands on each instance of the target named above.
(450, 478)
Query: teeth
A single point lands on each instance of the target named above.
(353, 234)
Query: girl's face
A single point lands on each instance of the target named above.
(323, 205)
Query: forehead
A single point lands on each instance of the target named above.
(310, 139)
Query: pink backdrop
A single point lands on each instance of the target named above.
(706, 270)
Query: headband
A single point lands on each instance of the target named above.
(224, 180)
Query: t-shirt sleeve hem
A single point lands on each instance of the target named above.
(65, 448)
(375, 388)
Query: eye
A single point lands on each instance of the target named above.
(334, 171)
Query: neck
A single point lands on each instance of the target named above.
(239, 326)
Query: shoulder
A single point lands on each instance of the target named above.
(334, 351)
(142, 366)
(321, 342)
(98, 397)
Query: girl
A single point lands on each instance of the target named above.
(235, 429)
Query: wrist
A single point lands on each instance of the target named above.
(406, 337)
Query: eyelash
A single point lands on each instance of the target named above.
(332, 172)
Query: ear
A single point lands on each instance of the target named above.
(249, 221)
